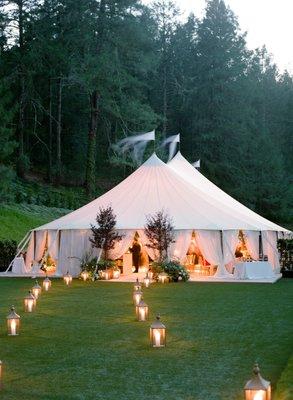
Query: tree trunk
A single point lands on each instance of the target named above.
(49, 171)
(92, 139)
(21, 162)
(59, 130)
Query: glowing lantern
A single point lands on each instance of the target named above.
(150, 274)
(84, 275)
(47, 284)
(163, 277)
(137, 285)
(137, 296)
(29, 302)
(13, 323)
(67, 278)
(158, 333)
(142, 311)
(1, 373)
(36, 290)
(146, 281)
(116, 273)
(257, 388)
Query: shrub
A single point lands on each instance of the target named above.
(8, 250)
(173, 269)
(105, 264)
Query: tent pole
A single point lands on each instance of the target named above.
(24, 242)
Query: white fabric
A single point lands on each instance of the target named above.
(209, 243)
(252, 243)
(179, 248)
(155, 186)
(18, 266)
(41, 238)
(53, 244)
(30, 253)
(122, 246)
(172, 141)
(253, 270)
(192, 176)
(230, 241)
(144, 240)
(269, 240)
(73, 246)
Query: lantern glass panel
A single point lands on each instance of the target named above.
(36, 290)
(46, 284)
(258, 394)
(30, 302)
(13, 323)
(158, 337)
(137, 296)
(142, 311)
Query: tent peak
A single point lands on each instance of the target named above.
(153, 161)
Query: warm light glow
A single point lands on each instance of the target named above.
(137, 297)
(163, 278)
(157, 337)
(142, 313)
(84, 275)
(46, 284)
(116, 274)
(146, 281)
(12, 327)
(67, 279)
(107, 275)
(36, 290)
(259, 395)
(29, 305)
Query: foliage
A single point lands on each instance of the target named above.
(7, 253)
(285, 248)
(149, 69)
(173, 269)
(159, 231)
(16, 220)
(105, 264)
(104, 235)
(91, 327)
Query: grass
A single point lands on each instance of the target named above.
(16, 220)
(83, 341)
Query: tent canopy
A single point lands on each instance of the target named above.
(182, 192)
(191, 175)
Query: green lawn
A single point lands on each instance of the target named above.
(83, 341)
(17, 219)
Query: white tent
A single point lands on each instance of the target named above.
(154, 186)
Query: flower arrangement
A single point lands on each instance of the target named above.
(173, 269)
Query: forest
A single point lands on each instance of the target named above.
(77, 76)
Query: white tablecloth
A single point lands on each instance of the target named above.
(18, 266)
(253, 270)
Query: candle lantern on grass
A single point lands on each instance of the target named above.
(36, 290)
(257, 388)
(137, 285)
(29, 302)
(163, 277)
(47, 284)
(116, 273)
(84, 275)
(67, 278)
(13, 323)
(147, 281)
(142, 311)
(158, 333)
(137, 296)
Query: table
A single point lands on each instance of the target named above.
(253, 270)
(18, 266)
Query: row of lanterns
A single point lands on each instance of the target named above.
(256, 388)
(29, 303)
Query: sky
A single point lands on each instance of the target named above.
(266, 22)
